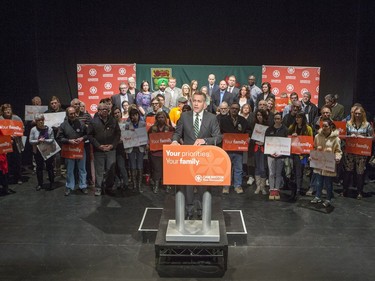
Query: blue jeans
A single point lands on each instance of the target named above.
(260, 169)
(236, 159)
(324, 181)
(70, 177)
(104, 167)
(136, 159)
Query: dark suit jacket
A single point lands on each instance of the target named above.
(235, 91)
(209, 129)
(215, 99)
(261, 97)
(214, 89)
(116, 100)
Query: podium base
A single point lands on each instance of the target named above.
(192, 232)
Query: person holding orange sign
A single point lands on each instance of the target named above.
(356, 127)
(299, 128)
(160, 126)
(196, 127)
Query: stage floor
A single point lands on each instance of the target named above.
(47, 236)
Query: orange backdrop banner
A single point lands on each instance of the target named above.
(196, 165)
(98, 81)
(235, 142)
(302, 144)
(288, 79)
(72, 151)
(11, 127)
(358, 146)
(158, 140)
(6, 144)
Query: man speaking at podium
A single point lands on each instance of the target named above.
(197, 127)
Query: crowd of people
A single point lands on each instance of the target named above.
(236, 108)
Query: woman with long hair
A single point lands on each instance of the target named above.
(243, 96)
(157, 156)
(185, 91)
(356, 127)
(193, 87)
(299, 128)
(143, 99)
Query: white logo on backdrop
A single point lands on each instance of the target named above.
(79, 68)
(291, 70)
(92, 72)
(264, 69)
(276, 73)
(275, 91)
(290, 87)
(93, 90)
(122, 71)
(93, 107)
(79, 86)
(107, 68)
(317, 89)
(304, 90)
(305, 74)
(318, 70)
(108, 85)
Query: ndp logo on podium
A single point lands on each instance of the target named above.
(195, 165)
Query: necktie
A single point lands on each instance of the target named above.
(196, 125)
(230, 90)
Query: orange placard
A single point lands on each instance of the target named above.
(196, 165)
(235, 142)
(6, 144)
(72, 151)
(11, 127)
(341, 126)
(358, 146)
(157, 140)
(302, 144)
(150, 120)
(281, 103)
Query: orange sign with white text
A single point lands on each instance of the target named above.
(150, 120)
(72, 151)
(340, 126)
(6, 144)
(11, 127)
(358, 146)
(302, 144)
(196, 165)
(158, 140)
(235, 142)
(281, 103)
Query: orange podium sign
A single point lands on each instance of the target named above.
(196, 165)
(5, 144)
(302, 144)
(235, 142)
(358, 146)
(72, 151)
(11, 127)
(158, 140)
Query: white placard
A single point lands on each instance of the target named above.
(322, 160)
(277, 145)
(134, 138)
(31, 110)
(54, 119)
(47, 150)
(259, 132)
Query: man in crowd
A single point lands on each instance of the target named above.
(132, 90)
(221, 95)
(212, 86)
(104, 134)
(310, 109)
(255, 91)
(119, 98)
(174, 92)
(162, 84)
(232, 86)
(290, 118)
(175, 113)
(292, 97)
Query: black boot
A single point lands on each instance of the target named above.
(51, 177)
(360, 183)
(139, 181)
(134, 180)
(155, 189)
(346, 182)
(39, 176)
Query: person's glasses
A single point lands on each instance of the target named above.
(224, 108)
(325, 126)
(155, 103)
(101, 109)
(123, 88)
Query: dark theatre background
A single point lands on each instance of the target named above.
(45, 40)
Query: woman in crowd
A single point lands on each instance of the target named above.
(125, 110)
(193, 87)
(276, 161)
(144, 98)
(38, 135)
(299, 128)
(337, 109)
(121, 172)
(14, 158)
(258, 149)
(157, 156)
(356, 127)
(271, 105)
(136, 153)
(243, 96)
(185, 90)
(249, 167)
(326, 140)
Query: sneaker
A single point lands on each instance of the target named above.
(272, 195)
(277, 195)
(39, 187)
(250, 181)
(267, 182)
(84, 191)
(359, 196)
(327, 203)
(19, 182)
(98, 191)
(316, 200)
(67, 191)
(226, 190)
(238, 189)
(309, 192)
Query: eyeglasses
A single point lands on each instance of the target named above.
(325, 126)
(155, 103)
(101, 109)
(123, 88)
